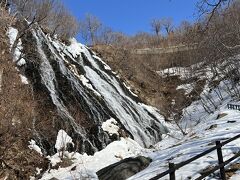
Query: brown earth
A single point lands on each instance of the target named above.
(139, 72)
(17, 161)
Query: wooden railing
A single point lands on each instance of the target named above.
(173, 167)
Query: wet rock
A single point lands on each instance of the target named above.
(124, 168)
(76, 91)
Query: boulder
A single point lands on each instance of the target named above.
(124, 168)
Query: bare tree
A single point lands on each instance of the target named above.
(23, 8)
(43, 11)
(167, 24)
(62, 22)
(106, 36)
(211, 7)
(156, 26)
(31, 11)
(89, 28)
(142, 39)
(51, 15)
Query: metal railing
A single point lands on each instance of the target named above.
(233, 106)
(173, 167)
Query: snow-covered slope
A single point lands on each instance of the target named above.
(74, 79)
(202, 129)
(173, 148)
(202, 137)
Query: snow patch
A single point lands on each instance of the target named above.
(198, 70)
(236, 176)
(129, 89)
(87, 166)
(110, 126)
(12, 34)
(62, 140)
(24, 79)
(34, 146)
(21, 62)
(86, 83)
(75, 48)
(186, 87)
(105, 65)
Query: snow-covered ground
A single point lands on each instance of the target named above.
(202, 129)
(201, 138)
(236, 176)
(186, 87)
(86, 166)
(201, 135)
(195, 70)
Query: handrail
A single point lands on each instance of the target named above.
(219, 166)
(173, 167)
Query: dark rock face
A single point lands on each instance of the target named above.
(124, 169)
(76, 91)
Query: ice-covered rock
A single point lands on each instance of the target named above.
(77, 81)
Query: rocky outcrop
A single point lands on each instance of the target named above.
(77, 91)
(124, 169)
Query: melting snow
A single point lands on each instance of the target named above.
(186, 87)
(173, 148)
(24, 79)
(62, 140)
(87, 166)
(110, 126)
(235, 176)
(170, 149)
(33, 146)
(75, 48)
(194, 143)
(86, 83)
(12, 34)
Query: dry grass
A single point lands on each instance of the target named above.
(139, 71)
(17, 161)
(232, 169)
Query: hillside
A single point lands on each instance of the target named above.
(50, 70)
(175, 147)
(124, 106)
(141, 73)
(74, 90)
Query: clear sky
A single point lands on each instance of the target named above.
(132, 16)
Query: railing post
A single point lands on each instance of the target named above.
(172, 174)
(220, 160)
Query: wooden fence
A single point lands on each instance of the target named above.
(173, 167)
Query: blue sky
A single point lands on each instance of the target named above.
(132, 16)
